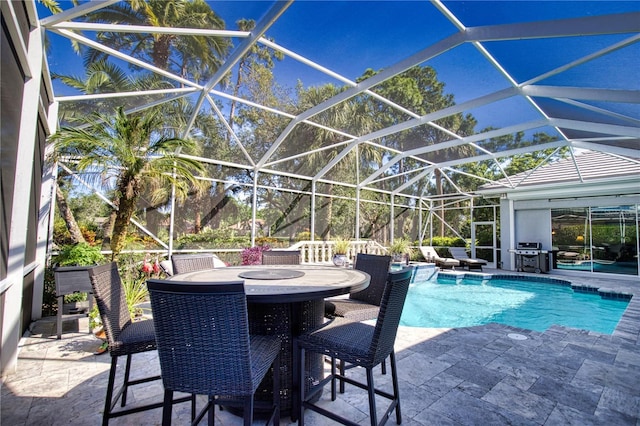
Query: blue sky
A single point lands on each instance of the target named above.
(349, 37)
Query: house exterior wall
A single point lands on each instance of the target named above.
(530, 220)
(534, 226)
(25, 102)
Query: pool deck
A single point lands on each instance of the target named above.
(485, 375)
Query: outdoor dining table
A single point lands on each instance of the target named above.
(286, 300)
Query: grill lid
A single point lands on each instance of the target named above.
(529, 246)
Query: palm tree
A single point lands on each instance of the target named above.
(101, 76)
(52, 5)
(132, 153)
(69, 219)
(195, 57)
(192, 57)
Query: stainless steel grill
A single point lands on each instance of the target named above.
(531, 258)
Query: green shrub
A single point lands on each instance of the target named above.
(75, 297)
(135, 292)
(341, 245)
(400, 246)
(94, 317)
(81, 254)
(49, 299)
(211, 239)
(306, 236)
(445, 242)
(266, 241)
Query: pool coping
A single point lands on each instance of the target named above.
(608, 287)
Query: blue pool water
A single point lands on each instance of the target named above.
(534, 305)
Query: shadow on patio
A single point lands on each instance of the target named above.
(492, 374)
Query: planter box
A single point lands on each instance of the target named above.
(71, 308)
(72, 279)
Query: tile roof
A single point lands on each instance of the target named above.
(581, 168)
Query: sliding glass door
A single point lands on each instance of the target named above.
(614, 240)
(596, 239)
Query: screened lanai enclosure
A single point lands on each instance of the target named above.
(371, 121)
(149, 128)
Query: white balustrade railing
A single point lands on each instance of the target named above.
(323, 251)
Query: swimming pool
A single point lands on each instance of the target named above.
(533, 303)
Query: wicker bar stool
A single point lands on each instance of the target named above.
(191, 262)
(204, 347)
(281, 257)
(363, 305)
(124, 337)
(359, 344)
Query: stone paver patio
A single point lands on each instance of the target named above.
(480, 375)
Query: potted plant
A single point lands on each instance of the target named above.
(401, 250)
(75, 303)
(340, 249)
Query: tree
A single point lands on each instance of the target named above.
(194, 57)
(349, 116)
(52, 5)
(130, 152)
(257, 57)
(419, 90)
(68, 217)
(100, 77)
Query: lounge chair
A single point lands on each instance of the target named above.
(431, 255)
(460, 253)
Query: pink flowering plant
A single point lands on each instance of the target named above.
(150, 268)
(135, 288)
(253, 255)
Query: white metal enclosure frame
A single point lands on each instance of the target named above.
(613, 132)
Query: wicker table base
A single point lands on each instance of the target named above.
(286, 320)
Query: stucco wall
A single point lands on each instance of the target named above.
(533, 226)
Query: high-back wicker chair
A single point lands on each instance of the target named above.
(360, 344)
(204, 346)
(124, 337)
(281, 257)
(363, 305)
(191, 262)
